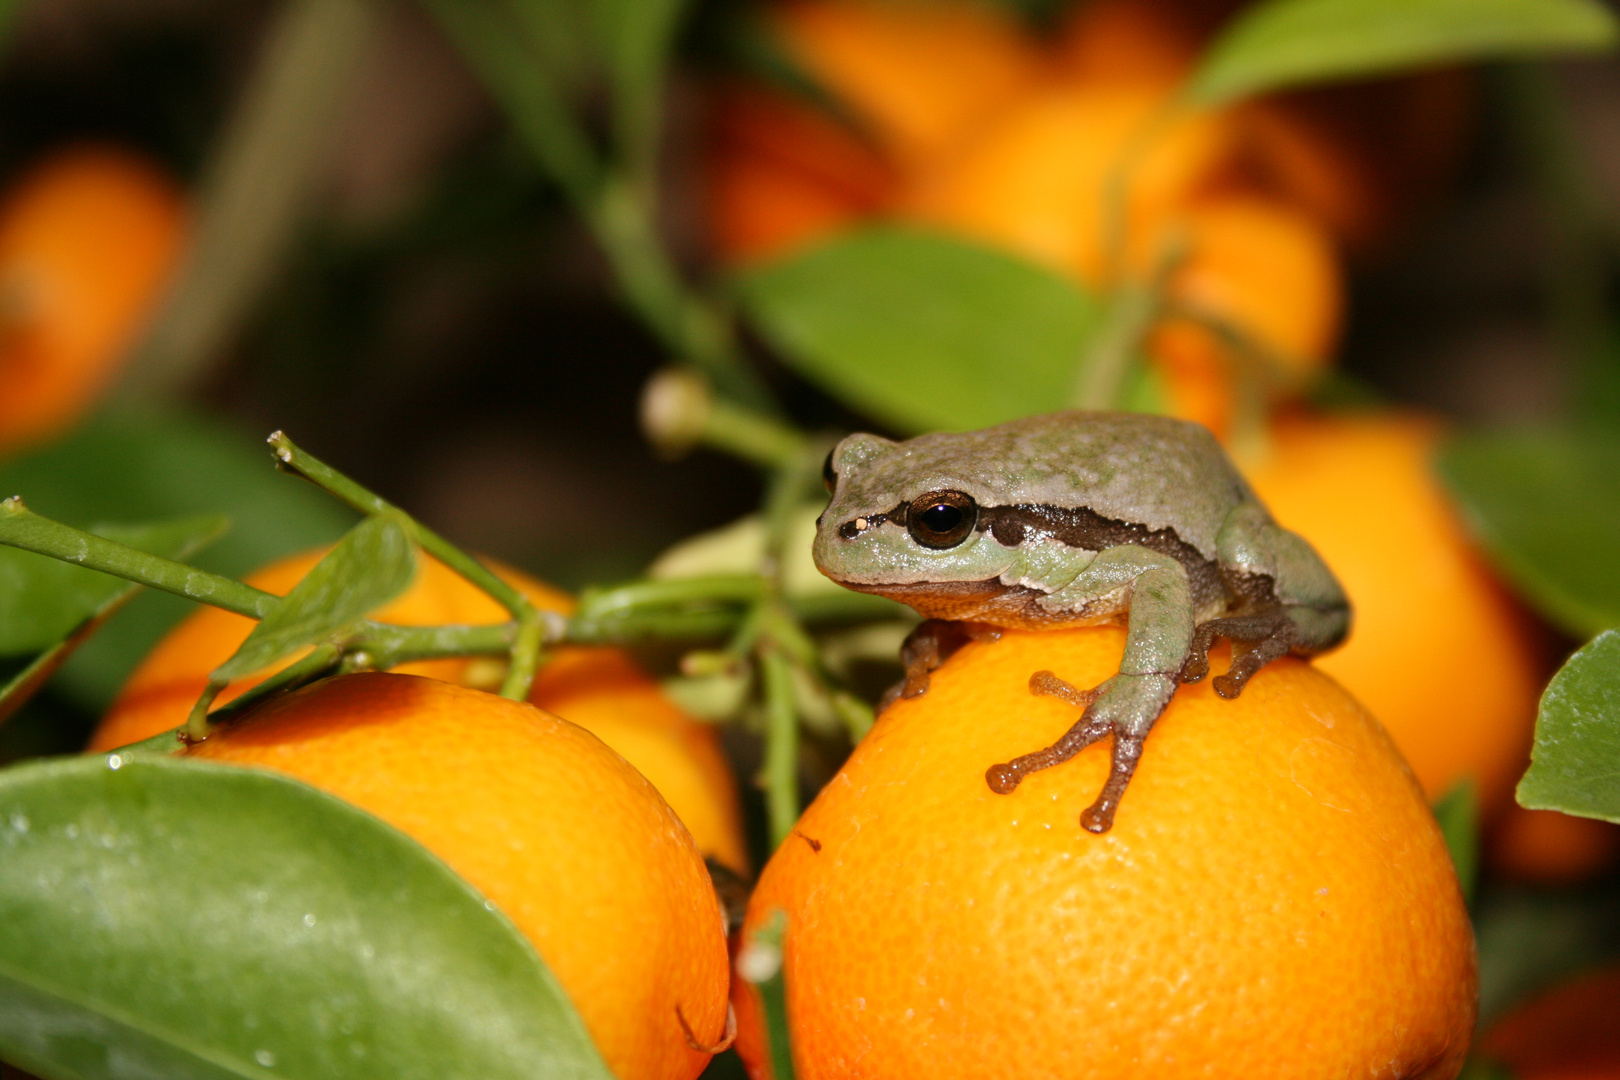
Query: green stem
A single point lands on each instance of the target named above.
(1133, 312)
(668, 592)
(1116, 195)
(698, 625)
(691, 326)
(172, 741)
(498, 51)
(389, 645)
(531, 624)
(781, 746)
(1130, 317)
(617, 208)
(22, 528)
(321, 661)
(751, 435)
(259, 185)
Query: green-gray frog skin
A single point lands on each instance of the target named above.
(1079, 519)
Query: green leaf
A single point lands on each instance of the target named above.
(42, 600)
(1286, 43)
(923, 331)
(1575, 762)
(1458, 815)
(1532, 939)
(370, 566)
(1546, 505)
(174, 540)
(166, 465)
(176, 918)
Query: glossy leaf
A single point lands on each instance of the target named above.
(923, 331)
(175, 918)
(42, 599)
(166, 465)
(1575, 762)
(1286, 43)
(174, 540)
(372, 564)
(1546, 505)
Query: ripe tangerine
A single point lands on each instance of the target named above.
(1274, 898)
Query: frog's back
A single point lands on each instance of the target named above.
(1132, 467)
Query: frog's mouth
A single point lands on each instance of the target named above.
(990, 600)
(915, 592)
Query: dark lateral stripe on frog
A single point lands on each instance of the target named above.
(1085, 529)
(1080, 528)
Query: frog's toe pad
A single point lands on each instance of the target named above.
(1003, 779)
(1097, 818)
(1047, 684)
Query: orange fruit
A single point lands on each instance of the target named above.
(604, 692)
(1274, 898)
(1550, 848)
(1036, 182)
(600, 689)
(1265, 269)
(782, 173)
(1569, 1033)
(88, 237)
(1151, 42)
(546, 821)
(1437, 650)
(922, 74)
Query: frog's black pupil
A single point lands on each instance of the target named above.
(941, 518)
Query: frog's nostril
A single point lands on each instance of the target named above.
(849, 530)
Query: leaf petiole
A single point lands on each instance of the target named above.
(533, 629)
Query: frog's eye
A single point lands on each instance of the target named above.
(941, 519)
(829, 475)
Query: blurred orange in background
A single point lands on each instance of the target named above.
(1438, 651)
(920, 77)
(955, 116)
(1551, 848)
(1569, 1033)
(89, 235)
(783, 174)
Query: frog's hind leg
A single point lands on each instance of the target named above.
(1257, 639)
(928, 646)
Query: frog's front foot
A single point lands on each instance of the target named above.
(1126, 705)
(928, 646)
(1257, 640)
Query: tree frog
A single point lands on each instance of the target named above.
(1078, 519)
